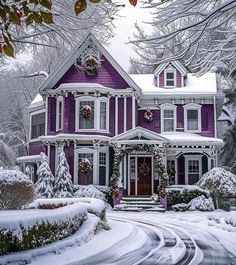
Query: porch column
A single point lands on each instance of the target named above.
(116, 115)
(125, 171)
(121, 175)
(133, 112)
(125, 111)
(49, 150)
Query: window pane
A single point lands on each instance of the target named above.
(193, 171)
(103, 116)
(86, 123)
(170, 82)
(168, 125)
(192, 119)
(59, 115)
(168, 113)
(169, 75)
(38, 125)
(102, 159)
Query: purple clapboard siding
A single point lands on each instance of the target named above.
(161, 79)
(129, 113)
(181, 170)
(106, 76)
(120, 115)
(51, 116)
(208, 126)
(35, 148)
(178, 79)
(180, 118)
(69, 114)
(153, 125)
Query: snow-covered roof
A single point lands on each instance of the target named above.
(205, 84)
(184, 138)
(37, 102)
(32, 158)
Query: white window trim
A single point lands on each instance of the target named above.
(192, 106)
(59, 99)
(165, 75)
(168, 106)
(30, 121)
(96, 113)
(192, 157)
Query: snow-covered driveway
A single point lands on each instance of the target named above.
(170, 238)
(152, 238)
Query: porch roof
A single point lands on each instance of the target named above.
(185, 138)
(28, 159)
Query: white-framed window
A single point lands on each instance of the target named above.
(168, 117)
(99, 120)
(169, 78)
(193, 168)
(99, 160)
(192, 117)
(37, 124)
(59, 113)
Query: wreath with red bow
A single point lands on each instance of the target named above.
(86, 112)
(85, 166)
(148, 115)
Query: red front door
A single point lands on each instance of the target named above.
(144, 174)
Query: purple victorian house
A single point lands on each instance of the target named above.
(90, 107)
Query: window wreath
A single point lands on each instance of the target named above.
(148, 115)
(86, 112)
(85, 166)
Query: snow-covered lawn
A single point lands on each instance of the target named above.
(169, 238)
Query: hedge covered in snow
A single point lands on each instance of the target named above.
(32, 230)
(200, 203)
(178, 194)
(16, 189)
(92, 205)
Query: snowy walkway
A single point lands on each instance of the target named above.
(155, 238)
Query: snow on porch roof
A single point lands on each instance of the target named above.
(184, 138)
(205, 84)
(24, 159)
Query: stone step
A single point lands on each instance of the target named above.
(133, 209)
(143, 206)
(137, 199)
(139, 202)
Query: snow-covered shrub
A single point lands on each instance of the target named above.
(230, 220)
(37, 229)
(16, 189)
(89, 191)
(202, 204)
(63, 187)
(220, 183)
(180, 207)
(177, 194)
(45, 183)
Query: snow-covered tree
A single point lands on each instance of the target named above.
(63, 187)
(45, 183)
(207, 29)
(220, 183)
(7, 154)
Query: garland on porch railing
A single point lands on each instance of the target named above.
(159, 167)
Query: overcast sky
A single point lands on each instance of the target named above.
(124, 29)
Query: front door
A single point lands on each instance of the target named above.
(144, 175)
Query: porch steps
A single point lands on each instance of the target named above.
(138, 204)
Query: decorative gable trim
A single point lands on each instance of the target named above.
(177, 65)
(139, 132)
(64, 66)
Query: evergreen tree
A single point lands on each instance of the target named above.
(63, 183)
(44, 185)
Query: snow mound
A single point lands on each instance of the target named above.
(89, 191)
(202, 204)
(220, 181)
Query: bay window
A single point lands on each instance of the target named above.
(98, 117)
(59, 113)
(37, 127)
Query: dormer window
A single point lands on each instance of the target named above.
(169, 78)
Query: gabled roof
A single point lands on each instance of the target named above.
(176, 64)
(69, 60)
(139, 133)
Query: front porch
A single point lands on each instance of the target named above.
(185, 160)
